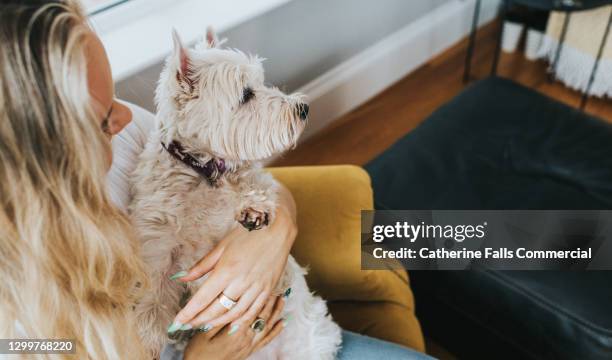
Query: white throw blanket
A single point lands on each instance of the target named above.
(584, 35)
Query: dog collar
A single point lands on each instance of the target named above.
(211, 170)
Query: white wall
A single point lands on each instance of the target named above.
(302, 39)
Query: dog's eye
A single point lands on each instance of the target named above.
(247, 95)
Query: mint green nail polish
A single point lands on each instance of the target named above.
(178, 275)
(174, 327)
(206, 328)
(186, 327)
(233, 329)
(286, 320)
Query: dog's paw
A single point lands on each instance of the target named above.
(253, 219)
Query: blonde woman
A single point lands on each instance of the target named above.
(69, 263)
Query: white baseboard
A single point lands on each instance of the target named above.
(358, 79)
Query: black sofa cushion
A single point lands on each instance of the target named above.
(499, 145)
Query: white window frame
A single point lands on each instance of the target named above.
(137, 33)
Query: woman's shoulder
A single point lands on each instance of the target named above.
(127, 146)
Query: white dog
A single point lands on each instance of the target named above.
(199, 177)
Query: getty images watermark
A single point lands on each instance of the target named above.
(500, 240)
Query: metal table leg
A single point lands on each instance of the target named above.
(471, 43)
(553, 67)
(503, 11)
(585, 95)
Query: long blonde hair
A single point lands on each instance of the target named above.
(68, 261)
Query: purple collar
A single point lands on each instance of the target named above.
(211, 170)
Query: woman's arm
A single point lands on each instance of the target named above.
(245, 266)
(287, 202)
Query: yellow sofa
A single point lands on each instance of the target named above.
(378, 303)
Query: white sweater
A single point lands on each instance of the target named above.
(127, 146)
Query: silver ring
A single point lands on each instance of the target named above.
(226, 302)
(258, 325)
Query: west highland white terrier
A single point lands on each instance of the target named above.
(200, 176)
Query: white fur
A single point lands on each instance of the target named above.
(180, 217)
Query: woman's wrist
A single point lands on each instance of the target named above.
(285, 223)
(286, 216)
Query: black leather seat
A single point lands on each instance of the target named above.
(499, 145)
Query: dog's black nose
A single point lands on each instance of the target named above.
(303, 111)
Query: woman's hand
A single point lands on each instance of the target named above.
(238, 341)
(246, 266)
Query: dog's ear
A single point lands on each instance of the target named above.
(211, 38)
(184, 72)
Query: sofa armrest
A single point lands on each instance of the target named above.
(329, 202)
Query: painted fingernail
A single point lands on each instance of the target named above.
(186, 327)
(205, 328)
(287, 293)
(178, 275)
(174, 327)
(286, 320)
(233, 329)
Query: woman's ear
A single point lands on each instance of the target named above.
(184, 72)
(121, 117)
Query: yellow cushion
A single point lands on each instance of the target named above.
(329, 202)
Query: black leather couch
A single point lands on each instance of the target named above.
(499, 145)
